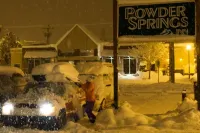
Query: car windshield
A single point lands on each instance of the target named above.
(57, 88)
(6, 83)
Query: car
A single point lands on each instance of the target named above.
(103, 80)
(48, 101)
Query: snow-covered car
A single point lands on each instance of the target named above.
(103, 79)
(11, 81)
(48, 100)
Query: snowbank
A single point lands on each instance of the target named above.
(194, 77)
(186, 116)
(124, 116)
(77, 128)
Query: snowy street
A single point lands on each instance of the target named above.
(152, 100)
(150, 104)
(139, 103)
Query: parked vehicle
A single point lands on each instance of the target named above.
(48, 101)
(103, 73)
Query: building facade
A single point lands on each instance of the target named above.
(79, 44)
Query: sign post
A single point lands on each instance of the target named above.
(115, 43)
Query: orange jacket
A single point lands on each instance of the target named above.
(89, 87)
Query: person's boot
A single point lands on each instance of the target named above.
(92, 120)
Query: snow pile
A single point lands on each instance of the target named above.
(194, 77)
(154, 76)
(124, 116)
(187, 104)
(95, 68)
(186, 116)
(107, 118)
(77, 128)
(145, 75)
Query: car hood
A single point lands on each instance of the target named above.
(36, 98)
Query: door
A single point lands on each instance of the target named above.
(129, 65)
(126, 66)
(133, 66)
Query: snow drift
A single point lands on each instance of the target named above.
(122, 117)
(185, 116)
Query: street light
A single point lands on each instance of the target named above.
(188, 49)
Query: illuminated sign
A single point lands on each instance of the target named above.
(157, 19)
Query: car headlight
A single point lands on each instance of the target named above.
(46, 108)
(8, 108)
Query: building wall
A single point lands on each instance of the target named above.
(29, 63)
(77, 39)
(16, 57)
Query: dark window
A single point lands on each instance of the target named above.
(17, 65)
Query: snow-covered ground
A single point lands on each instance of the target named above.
(145, 106)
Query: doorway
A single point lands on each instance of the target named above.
(129, 65)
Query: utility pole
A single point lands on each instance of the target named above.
(115, 46)
(48, 33)
(171, 62)
(197, 90)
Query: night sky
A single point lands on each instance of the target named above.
(26, 17)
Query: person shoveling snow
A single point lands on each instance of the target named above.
(89, 88)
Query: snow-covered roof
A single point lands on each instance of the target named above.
(60, 69)
(95, 68)
(85, 30)
(145, 2)
(40, 54)
(9, 70)
(40, 46)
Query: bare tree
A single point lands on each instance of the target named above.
(150, 52)
(7, 42)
